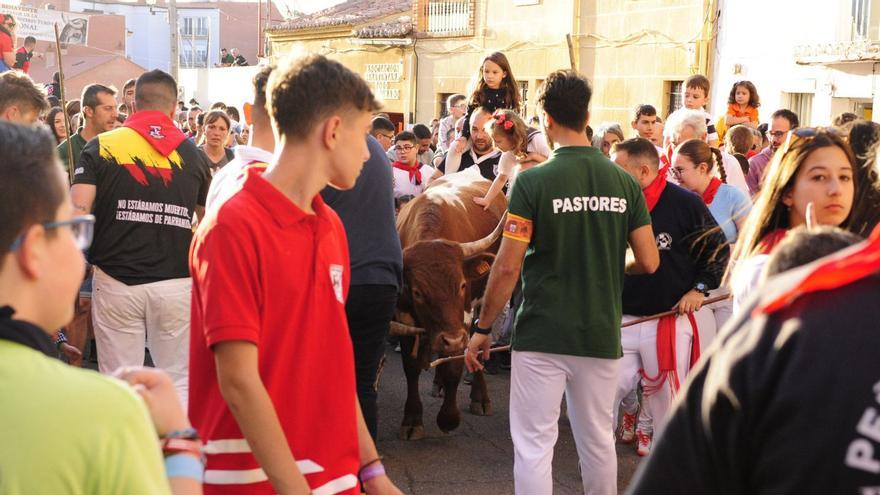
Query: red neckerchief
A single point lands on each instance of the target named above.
(415, 171)
(769, 242)
(667, 369)
(654, 190)
(839, 270)
(709, 193)
(158, 129)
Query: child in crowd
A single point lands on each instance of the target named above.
(696, 95)
(738, 142)
(742, 105)
(496, 88)
(523, 147)
(410, 176)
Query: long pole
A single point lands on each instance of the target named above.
(711, 300)
(175, 45)
(260, 28)
(70, 164)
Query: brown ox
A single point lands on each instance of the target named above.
(448, 246)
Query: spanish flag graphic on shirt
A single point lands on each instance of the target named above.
(146, 147)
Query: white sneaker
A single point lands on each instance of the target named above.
(628, 428)
(644, 446)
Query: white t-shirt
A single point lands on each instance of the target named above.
(508, 164)
(227, 181)
(403, 186)
(734, 173)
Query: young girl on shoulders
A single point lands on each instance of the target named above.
(742, 105)
(523, 147)
(495, 89)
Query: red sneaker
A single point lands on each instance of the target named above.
(628, 428)
(644, 446)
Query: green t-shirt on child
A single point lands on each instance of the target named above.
(582, 208)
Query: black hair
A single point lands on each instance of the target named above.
(565, 96)
(155, 90)
(644, 109)
(90, 94)
(406, 136)
(641, 149)
(802, 246)
(788, 115)
(31, 188)
(422, 131)
(382, 124)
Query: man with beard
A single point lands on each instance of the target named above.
(482, 153)
(99, 111)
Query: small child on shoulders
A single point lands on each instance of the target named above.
(696, 95)
(742, 105)
(523, 147)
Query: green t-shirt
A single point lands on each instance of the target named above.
(72, 431)
(78, 144)
(582, 208)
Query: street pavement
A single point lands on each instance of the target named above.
(477, 458)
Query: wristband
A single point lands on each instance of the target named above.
(184, 466)
(174, 446)
(186, 433)
(371, 471)
(475, 328)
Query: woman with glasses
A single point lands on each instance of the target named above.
(809, 182)
(7, 42)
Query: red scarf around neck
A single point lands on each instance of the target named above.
(837, 271)
(415, 172)
(655, 189)
(769, 242)
(709, 193)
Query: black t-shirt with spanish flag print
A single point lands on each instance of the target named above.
(149, 179)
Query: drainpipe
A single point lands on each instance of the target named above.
(414, 73)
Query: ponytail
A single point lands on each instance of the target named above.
(697, 151)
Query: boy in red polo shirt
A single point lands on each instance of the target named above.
(270, 276)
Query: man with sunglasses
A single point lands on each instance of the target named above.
(781, 122)
(41, 267)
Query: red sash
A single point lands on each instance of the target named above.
(666, 360)
(709, 193)
(769, 242)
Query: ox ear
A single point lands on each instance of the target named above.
(478, 266)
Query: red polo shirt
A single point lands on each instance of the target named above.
(266, 272)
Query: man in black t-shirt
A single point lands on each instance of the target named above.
(789, 402)
(146, 182)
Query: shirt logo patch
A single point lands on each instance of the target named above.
(156, 132)
(664, 241)
(336, 281)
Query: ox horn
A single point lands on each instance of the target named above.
(402, 330)
(476, 247)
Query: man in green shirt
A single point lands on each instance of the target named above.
(567, 229)
(107, 443)
(99, 111)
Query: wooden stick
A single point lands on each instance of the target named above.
(70, 164)
(711, 300)
(438, 362)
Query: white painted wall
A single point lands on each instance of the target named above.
(149, 41)
(761, 35)
(231, 85)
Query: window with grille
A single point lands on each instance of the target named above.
(861, 10)
(801, 104)
(674, 96)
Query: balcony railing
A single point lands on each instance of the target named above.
(198, 32)
(441, 18)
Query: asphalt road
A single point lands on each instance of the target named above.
(477, 458)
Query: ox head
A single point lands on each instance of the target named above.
(439, 278)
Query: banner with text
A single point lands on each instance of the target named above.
(40, 24)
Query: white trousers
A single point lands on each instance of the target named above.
(124, 315)
(639, 344)
(723, 311)
(537, 383)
